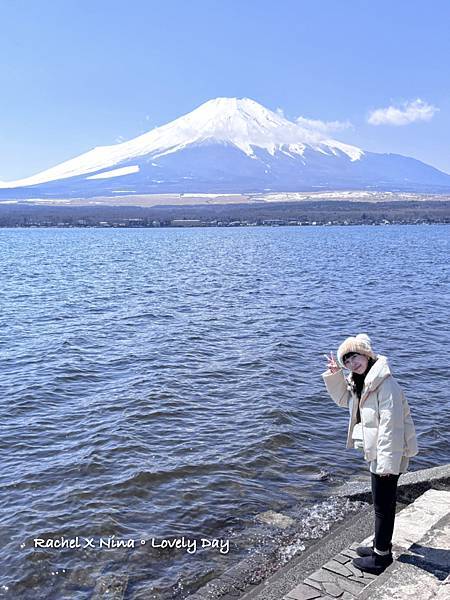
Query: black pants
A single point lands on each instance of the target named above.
(384, 496)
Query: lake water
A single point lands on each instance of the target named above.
(166, 383)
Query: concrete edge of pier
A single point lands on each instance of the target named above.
(253, 578)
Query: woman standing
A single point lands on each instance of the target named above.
(381, 426)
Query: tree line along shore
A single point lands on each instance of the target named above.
(279, 213)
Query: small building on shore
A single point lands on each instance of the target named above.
(186, 223)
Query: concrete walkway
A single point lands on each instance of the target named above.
(421, 545)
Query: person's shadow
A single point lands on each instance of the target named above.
(434, 560)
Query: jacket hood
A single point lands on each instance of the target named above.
(377, 374)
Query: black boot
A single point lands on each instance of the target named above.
(364, 550)
(375, 563)
(368, 550)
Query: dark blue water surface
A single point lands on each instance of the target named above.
(160, 383)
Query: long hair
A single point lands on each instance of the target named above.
(357, 381)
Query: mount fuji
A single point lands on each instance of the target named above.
(227, 145)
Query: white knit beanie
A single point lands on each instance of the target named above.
(360, 343)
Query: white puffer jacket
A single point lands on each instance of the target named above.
(387, 427)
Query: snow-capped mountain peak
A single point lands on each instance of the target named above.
(240, 122)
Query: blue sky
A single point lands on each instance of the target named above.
(77, 74)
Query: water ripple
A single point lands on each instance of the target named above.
(168, 383)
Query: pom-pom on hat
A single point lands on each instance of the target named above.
(360, 343)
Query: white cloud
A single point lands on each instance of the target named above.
(408, 112)
(119, 139)
(323, 127)
(316, 127)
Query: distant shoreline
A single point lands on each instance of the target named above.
(321, 212)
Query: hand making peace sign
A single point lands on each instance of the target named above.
(332, 364)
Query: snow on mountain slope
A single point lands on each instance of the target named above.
(115, 172)
(243, 123)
